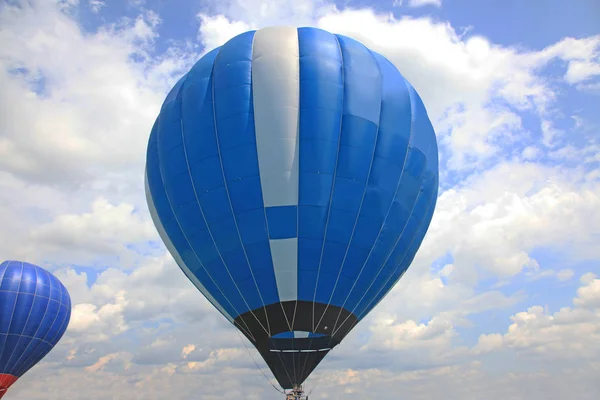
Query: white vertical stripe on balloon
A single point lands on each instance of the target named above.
(285, 263)
(276, 98)
(276, 95)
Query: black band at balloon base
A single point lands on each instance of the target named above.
(293, 359)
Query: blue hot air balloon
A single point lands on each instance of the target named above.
(35, 309)
(292, 174)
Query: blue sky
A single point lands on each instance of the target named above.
(503, 298)
(532, 24)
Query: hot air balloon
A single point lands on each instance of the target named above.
(292, 174)
(35, 309)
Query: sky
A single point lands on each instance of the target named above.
(503, 298)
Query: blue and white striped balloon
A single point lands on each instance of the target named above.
(292, 174)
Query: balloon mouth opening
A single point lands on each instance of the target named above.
(300, 342)
(297, 335)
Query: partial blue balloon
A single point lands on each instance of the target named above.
(293, 174)
(35, 309)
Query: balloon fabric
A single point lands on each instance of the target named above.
(292, 174)
(35, 309)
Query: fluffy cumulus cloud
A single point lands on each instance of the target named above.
(503, 296)
(417, 3)
(108, 230)
(96, 5)
(568, 336)
(510, 210)
(61, 85)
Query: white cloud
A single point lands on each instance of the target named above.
(564, 274)
(582, 57)
(76, 106)
(530, 153)
(187, 350)
(107, 232)
(508, 211)
(99, 323)
(549, 133)
(411, 341)
(588, 295)
(216, 30)
(65, 4)
(570, 333)
(104, 360)
(580, 71)
(96, 5)
(421, 3)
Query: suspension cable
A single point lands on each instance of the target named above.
(258, 366)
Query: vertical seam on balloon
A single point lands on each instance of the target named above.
(14, 308)
(40, 340)
(25, 324)
(58, 333)
(184, 268)
(156, 217)
(65, 323)
(293, 321)
(32, 360)
(377, 297)
(169, 244)
(297, 204)
(386, 216)
(297, 211)
(367, 310)
(197, 257)
(268, 329)
(408, 150)
(231, 205)
(332, 180)
(188, 241)
(204, 218)
(362, 198)
(424, 221)
(407, 220)
(342, 73)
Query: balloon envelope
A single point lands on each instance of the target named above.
(35, 309)
(292, 174)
